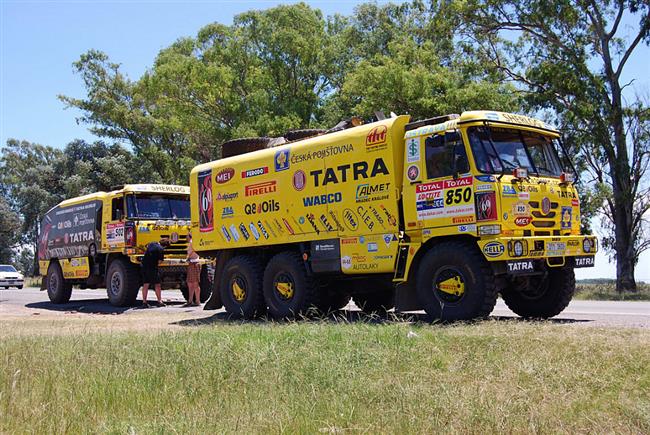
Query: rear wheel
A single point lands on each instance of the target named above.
(455, 282)
(375, 303)
(288, 290)
(541, 296)
(241, 287)
(58, 290)
(122, 283)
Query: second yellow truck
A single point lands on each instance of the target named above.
(441, 214)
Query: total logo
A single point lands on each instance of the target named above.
(262, 207)
(255, 172)
(329, 198)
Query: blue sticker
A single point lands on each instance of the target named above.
(282, 160)
(565, 221)
(362, 240)
(492, 116)
(505, 216)
(509, 190)
(485, 178)
(493, 249)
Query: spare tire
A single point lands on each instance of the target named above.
(245, 145)
(303, 134)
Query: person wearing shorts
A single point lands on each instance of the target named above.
(193, 275)
(154, 254)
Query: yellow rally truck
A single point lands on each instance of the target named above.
(441, 215)
(98, 240)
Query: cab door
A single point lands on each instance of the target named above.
(113, 222)
(438, 186)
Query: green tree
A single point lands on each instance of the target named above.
(569, 57)
(9, 232)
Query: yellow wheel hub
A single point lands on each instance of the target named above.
(285, 289)
(454, 286)
(238, 293)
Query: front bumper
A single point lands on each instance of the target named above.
(535, 248)
(12, 282)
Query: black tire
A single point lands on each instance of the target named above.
(122, 283)
(20, 287)
(58, 290)
(205, 286)
(465, 271)
(292, 135)
(288, 290)
(241, 287)
(541, 297)
(376, 302)
(245, 145)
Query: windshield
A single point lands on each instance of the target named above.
(158, 207)
(502, 149)
(6, 268)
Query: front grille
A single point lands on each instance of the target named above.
(178, 248)
(543, 221)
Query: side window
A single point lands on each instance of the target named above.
(445, 155)
(117, 208)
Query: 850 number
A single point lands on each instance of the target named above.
(456, 196)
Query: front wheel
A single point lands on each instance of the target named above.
(122, 283)
(241, 287)
(58, 290)
(455, 282)
(541, 296)
(288, 290)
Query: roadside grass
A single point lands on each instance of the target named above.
(325, 377)
(606, 291)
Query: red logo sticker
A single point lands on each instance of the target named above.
(522, 221)
(224, 176)
(376, 136)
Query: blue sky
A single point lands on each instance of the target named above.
(39, 40)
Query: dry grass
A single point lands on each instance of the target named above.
(606, 291)
(320, 377)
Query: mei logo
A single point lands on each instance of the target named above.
(225, 175)
(377, 136)
(261, 188)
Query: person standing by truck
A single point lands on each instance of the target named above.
(193, 275)
(154, 254)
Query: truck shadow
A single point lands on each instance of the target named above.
(90, 306)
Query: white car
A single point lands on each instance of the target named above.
(10, 277)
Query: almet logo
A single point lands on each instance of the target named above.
(377, 136)
(329, 198)
(261, 188)
(366, 191)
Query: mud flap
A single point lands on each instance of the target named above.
(406, 298)
(214, 303)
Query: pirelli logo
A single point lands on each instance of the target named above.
(261, 188)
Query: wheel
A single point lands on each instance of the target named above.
(288, 290)
(20, 287)
(57, 289)
(122, 283)
(541, 296)
(245, 145)
(205, 286)
(455, 282)
(376, 302)
(241, 287)
(303, 134)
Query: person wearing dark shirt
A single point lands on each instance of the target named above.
(154, 254)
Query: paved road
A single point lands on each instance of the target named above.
(30, 301)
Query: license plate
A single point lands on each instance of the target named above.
(556, 246)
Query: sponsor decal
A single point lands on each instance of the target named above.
(566, 194)
(350, 219)
(483, 187)
(206, 215)
(573, 243)
(492, 116)
(505, 216)
(586, 261)
(282, 160)
(524, 195)
(227, 212)
(349, 241)
(523, 188)
(467, 228)
(446, 198)
(254, 231)
(340, 174)
(575, 203)
(556, 247)
(413, 172)
(520, 266)
(225, 233)
(486, 206)
(226, 196)
(114, 234)
(413, 150)
(325, 222)
(263, 230)
(288, 227)
(269, 206)
(324, 247)
(493, 249)
(336, 220)
(234, 232)
(365, 217)
(462, 219)
(260, 188)
(372, 192)
(346, 262)
(365, 266)
(521, 119)
(244, 231)
(376, 138)
(485, 178)
(389, 215)
(522, 221)
(320, 154)
(312, 221)
(329, 198)
(508, 190)
(565, 222)
(546, 205)
(387, 239)
(377, 215)
(224, 176)
(255, 172)
(362, 239)
(299, 180)
(520, 209)
(372, 247)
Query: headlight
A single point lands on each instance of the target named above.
(518, 248)
(587, 245)
(489, 230)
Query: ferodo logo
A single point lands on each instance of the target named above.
(357, 170)
(225, 175)
(261, 188)
(262, 207)
(255, 172)
(376, 136)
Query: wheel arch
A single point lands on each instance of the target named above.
(421, 252)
